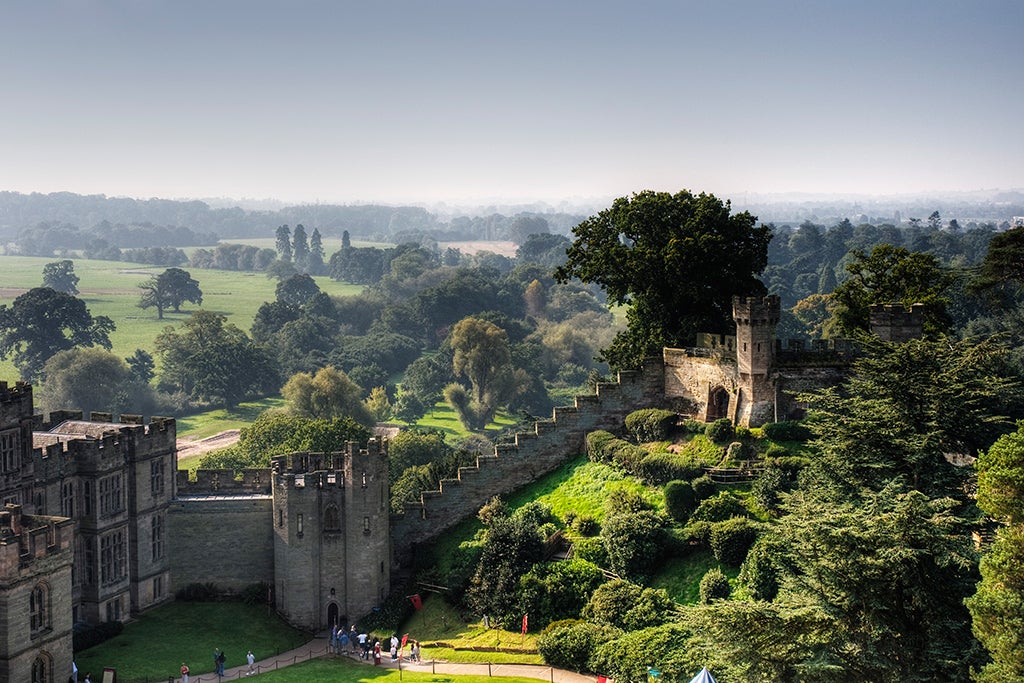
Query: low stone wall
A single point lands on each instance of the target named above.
(227, 542)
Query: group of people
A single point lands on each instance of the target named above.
(219, 659)
(347, 642)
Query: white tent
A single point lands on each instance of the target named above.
(703, 677)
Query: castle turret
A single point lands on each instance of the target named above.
(756, 319)
(894, 323)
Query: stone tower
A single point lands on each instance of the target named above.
(756, 319)
(332, 559)
(35, 596)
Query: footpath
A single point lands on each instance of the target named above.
(319, 647)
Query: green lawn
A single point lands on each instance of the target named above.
(111, 288)
(154, 645)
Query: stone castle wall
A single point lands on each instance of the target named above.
(531, 455)
(224, 540)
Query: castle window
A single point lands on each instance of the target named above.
(87, 497)
(89, 562)
(111, 498)
(331, 520)
(156, 476)
(280, 517)
(67, 499)
(157, 539)
(364, 480)
(158, 588)
(300, 525)
(114, 610)
(366, 525)
(38, 608)
(41, 669)
(112, 558)
(10, 441)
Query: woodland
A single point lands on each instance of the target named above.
(880, 540)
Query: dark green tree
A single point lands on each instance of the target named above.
(892, 275)
(93, 380)
(296, 290)
(316, 253)
(42, 322)
(483, 357)
(170, 289)
(60, 275)
(213, 362)
(512, 545)
(327, 394)
(300, 248)
(997, 608)
(675, 260)
(141, 365)
(283, 243)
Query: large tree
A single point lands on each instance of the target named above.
(212, 361)
(483, 357)
(326, 395)
(675, 260)
(42, 322)
(60, 275)
(93, 379)
(998, 606)
(170, 289)
(892, 275)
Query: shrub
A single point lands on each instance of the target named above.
(743, 433)
(791, 430)
(591, 549)
(714, 586)
(633, 541)
(198, 592)
(534, 512)
(550, 591)
(568, 644)
(718, 509)
(85, 636)
(650, 424)
(720, 430)
(585, 525)
(776, 451)
(256, 593)
(598, 446)
(731, 539)
(627, 455)
(698, 532)
(628, 606)
(760, 570)
(693, 427)
(659, 468)
(703, 487)
(680, 500)
(767, 487)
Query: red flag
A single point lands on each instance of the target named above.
(417, 601)
(405, 639)
(602, 679)
(525, 620)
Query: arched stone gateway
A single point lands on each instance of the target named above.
(718, 404)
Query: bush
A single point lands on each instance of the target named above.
(703, 487)
(627, 456)
(650, 424)
(585, 525)
(659, 468)
(760, 570)
(256, 593)
(791, 430)
(198, 592)
(628, 606)
(769, 484)
(551, 591)
(718, 509)
(85, 636)
(680, 500)
(720, 430)
(692, 427)
(698, 532)
(633, 541)
(598, 446)
(744, 433)
(731, 539)
(534, 512)
(776, 451)
(568, 644)
(591, 549)
(714, 586)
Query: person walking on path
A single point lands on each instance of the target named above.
(221, 658)
(251, 658)
(184, 672)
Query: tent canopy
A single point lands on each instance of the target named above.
(703, 677)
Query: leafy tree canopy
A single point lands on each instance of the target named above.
(42, 322)
(60, 275)
(675, 260)
(326, 395)
(170, 289)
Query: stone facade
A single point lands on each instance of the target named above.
(35, 596)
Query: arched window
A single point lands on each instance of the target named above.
(38, 608)
(331, 520)
(41, 669)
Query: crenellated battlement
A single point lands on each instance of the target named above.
(750, 310)
(893, 322)
(529, 455)
(28, 539)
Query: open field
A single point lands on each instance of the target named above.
(111, 288)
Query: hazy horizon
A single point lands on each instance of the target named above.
(464, 103)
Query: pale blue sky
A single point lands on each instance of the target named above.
(462, 101)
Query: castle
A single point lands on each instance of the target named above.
(99, 524)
